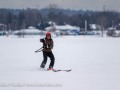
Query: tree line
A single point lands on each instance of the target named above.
(16, 19)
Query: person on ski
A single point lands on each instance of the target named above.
(47, 51)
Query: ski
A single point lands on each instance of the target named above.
(54, 70)
(62, 70)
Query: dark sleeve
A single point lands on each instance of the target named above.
(52, 44)
(42, 40)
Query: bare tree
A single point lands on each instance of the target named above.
(102, 21)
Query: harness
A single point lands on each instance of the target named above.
(47, 43)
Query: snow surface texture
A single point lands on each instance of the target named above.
(95, 64)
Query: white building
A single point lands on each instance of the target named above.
(63, 29)
(30, 31)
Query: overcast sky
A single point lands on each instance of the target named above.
(67, 4)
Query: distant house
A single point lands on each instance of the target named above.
(30, 31)
(114, 31)
(63, 29)
(95, 27)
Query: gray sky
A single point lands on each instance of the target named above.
(67, 4)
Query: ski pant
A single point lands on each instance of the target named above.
(51, 56)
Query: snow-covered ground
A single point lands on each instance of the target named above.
(95, 64)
